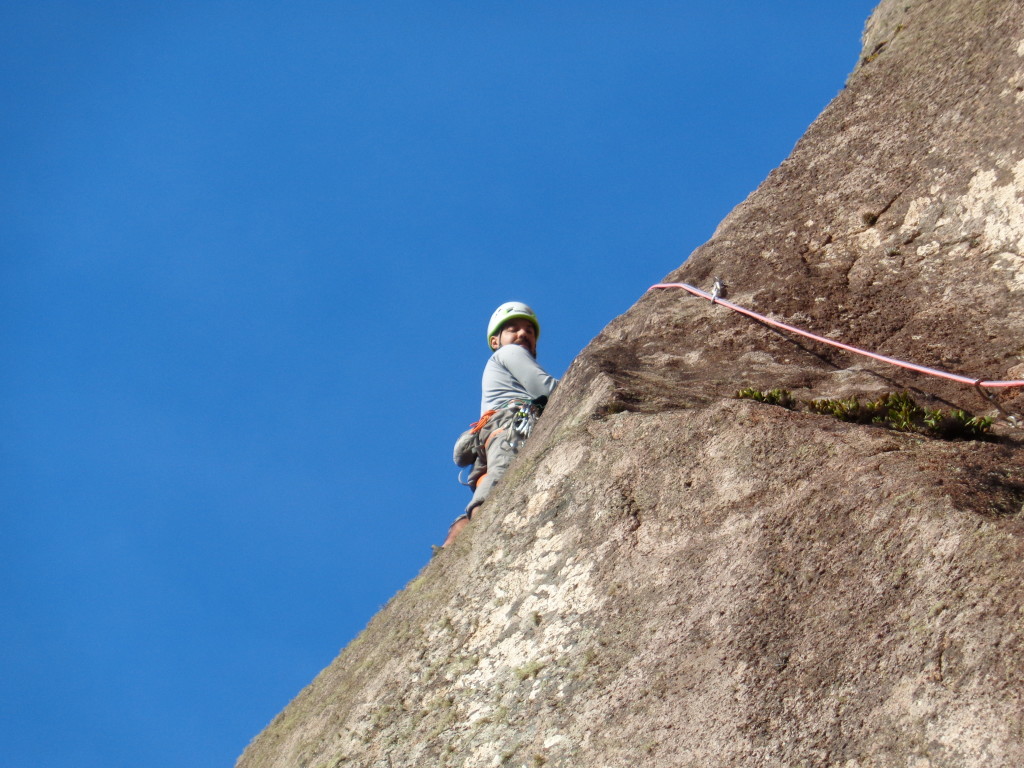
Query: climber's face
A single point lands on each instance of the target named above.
(519, 331)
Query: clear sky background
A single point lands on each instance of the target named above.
(249, 250)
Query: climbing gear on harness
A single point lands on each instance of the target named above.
(468, 448)
(523, 420)
(510, 310)
(522, 425)
(476, 426)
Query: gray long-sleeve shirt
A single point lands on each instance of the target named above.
(512, 373)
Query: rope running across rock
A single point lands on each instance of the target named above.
(714, 299)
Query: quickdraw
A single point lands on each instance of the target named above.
(522, 423)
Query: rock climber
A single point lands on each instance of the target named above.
(515, 389)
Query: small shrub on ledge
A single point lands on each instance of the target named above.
(894, 410)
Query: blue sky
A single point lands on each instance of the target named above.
(248, 256)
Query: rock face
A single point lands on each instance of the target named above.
(671, 576)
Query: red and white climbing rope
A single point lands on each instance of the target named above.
(857, 350)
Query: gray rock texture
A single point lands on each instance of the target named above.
(671, 576)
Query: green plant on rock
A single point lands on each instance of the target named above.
(899, 411)
(749, 393)
(781, 397)
(893, 410)
(532, 669)
(962, 424)
(933, 418)
(902, 412)
(848, 409)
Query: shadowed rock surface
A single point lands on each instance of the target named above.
(670, 576)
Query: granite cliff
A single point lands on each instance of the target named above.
(672, 576)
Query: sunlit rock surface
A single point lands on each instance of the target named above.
(674, 577)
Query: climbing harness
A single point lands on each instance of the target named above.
(715, 297)
(521, 425)
(512, 436)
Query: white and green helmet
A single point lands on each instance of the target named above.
(510, 310)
